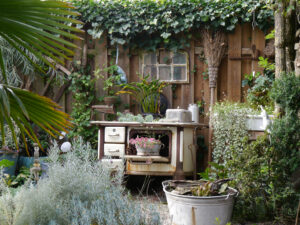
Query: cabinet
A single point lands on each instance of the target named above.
(177, 157)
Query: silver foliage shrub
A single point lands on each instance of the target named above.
(78, 190)
(229, 127)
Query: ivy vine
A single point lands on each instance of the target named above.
(148, 24)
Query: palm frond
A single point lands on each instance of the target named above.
(26, 108)
(25, 24)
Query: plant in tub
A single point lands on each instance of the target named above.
(201, 202)
(146, 145)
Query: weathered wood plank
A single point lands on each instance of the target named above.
(234, 66)
(222, 80)
(133, 77)
(124, 63)
(258, 40)
(187, 90)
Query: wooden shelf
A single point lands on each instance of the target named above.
(141, 158)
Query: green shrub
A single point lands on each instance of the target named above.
(286, 92)
(83, 89)
(78, 190)
(252, 177)
(230, 128)
(264, 168)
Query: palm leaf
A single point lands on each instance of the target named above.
(24, 23)
(39, 28)
(40, 110)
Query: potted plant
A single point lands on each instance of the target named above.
(201, 202)
(110, 83)
(147, 93)
(146, 146)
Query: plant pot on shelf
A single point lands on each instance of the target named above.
(198, 210)
(153, 151)
(110, 100)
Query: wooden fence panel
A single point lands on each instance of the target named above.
(124, 63)
(100, 60)
(234, 65)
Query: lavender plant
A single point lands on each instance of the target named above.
(78, 190)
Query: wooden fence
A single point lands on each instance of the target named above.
(245, 45)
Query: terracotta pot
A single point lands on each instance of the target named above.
(110, 100)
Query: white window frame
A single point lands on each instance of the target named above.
(172, 65)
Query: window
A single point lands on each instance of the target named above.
(166, 66)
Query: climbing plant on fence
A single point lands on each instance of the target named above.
(147, 24)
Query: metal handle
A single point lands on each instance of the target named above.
(112, 167)
(117, 150)
(148, 162)
(114, 135)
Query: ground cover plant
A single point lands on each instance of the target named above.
(78, 190)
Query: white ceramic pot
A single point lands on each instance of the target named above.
(148, 151)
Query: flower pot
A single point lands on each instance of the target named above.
(11, 157)
(110, 100)
(188, 210)
(258, 122)
(153, 151)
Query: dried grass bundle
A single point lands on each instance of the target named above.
(215, 45)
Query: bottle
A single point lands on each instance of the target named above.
(195, 112)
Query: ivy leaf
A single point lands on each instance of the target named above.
(6, 163)
(165, 35)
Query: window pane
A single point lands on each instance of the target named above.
(150, 70)
(164, 57)
(165, 73)
(179, 73)
(150, 58)
(179, 58)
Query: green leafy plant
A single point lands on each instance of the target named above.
(128, 117)
(147, 93)
(264, 168)
(83, 89)
(6, 163)
(252, 177)
(150, 24)
(249, 79)
(20, 179)
(201, 105)
(286, 92)
(78, 190)
(112, 81)
(229, 123)
(214, 171)
(37, 27)
(260, 85)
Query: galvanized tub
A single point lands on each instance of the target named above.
(194, 210)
